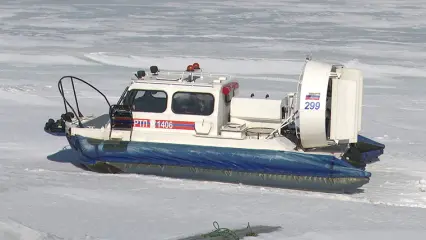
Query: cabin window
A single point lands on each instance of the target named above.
(193, 103)
(154, 101)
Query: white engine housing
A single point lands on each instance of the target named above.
(329, 104)
(263, 113)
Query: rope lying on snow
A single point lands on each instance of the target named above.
(222, 232)
(226, 233)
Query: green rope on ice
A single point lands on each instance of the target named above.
(222, 232)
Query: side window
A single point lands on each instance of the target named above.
(193, 103)
(147, 100)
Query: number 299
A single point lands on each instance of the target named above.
(312, 105)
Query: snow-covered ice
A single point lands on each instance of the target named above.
(44, 196)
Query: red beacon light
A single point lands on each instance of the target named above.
(235, 85)
(196, 66)
(230, 87)
(190, 68)
(226, 90)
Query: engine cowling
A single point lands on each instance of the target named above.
(329, 104)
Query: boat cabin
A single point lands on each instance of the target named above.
(197, 103)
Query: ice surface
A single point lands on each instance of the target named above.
(44, 196)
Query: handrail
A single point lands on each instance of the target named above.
(61, 91)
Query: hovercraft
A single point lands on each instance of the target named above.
(195, 125)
